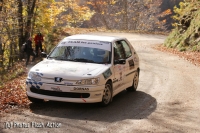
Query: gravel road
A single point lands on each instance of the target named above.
(167, 100)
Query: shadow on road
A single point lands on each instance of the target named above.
(125, 105)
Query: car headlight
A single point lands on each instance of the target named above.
(34, 76)
(92, 81)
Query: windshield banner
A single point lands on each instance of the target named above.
(86, 43)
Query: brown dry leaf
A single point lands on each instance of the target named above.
(12, 94)
(193, 57)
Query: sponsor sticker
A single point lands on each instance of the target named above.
(87, 43)
(80, 89)
(56, 88)
(53, 88)
(131, 64)
(107, 73)
(68, 83)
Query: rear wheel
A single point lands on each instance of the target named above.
(35, 100)
(135, 82)
(107, 95)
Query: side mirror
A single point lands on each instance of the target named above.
(120, 61)
(43, 54)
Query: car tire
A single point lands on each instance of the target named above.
(135, 82)
(35, 100)
(107, 94)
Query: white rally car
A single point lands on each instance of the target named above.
(85, 69)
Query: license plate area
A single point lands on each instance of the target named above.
(54, 88)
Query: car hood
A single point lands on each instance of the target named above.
(68, 69)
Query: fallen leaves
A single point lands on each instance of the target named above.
(13, 95)
(193, 57)
(12, 91)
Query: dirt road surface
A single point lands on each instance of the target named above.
(167, 101)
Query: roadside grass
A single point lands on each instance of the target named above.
(186, 34)
(17, 70)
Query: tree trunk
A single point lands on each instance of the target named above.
(1, 54)
(1, 1)
(1, 46)
(125, 15)
(33, 23)
(30, 11)
(21, 39)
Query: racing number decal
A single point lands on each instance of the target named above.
(131, 64)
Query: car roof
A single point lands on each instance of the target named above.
(93, 37)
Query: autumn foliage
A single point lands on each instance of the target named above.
(186, 33)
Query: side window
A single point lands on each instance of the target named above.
(127, 49)
(58, 51)
(119, 52)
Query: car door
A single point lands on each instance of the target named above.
(129, 67)
(118, 81)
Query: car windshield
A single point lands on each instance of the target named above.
(81, 54)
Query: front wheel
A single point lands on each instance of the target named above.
(107, 95)
(135, 82)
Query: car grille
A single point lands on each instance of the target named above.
(59, 94)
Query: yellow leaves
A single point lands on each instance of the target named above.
(183, 4)
(117, 20)
(166, 12)
(119, 13)
(90, 3)
(175, 24)
(184, 9)
(74, 13)
(112, 2)
(164, 21)
(47, 13)
(101, 2)
(134, 19)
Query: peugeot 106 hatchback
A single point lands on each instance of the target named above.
(85, 69)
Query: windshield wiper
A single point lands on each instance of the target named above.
(83, 60)
(57, 58)
(53, 57)
(75, 59)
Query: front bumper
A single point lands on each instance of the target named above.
(55, 92)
